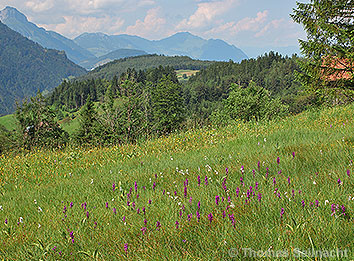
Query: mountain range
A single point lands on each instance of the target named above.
(26, 67)
(84, 49)
(48, 39)
(183, 44)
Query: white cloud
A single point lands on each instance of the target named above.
(150, 27)
(75, 25)
(205, 14)
(39, 6)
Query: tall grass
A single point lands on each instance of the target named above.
(276, 187)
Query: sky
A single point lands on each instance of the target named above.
(252, 25)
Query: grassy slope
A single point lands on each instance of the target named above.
(323, 143)
(8, 121)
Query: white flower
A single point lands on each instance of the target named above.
(91, 181)
(21, 219)
(112, 199)
(39, 209)
(171, 158)
(1, 208)
(326, 201)
(314, 183)
(35, 201)
(39, 225)
(265, 139)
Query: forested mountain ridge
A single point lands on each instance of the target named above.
(92, 63)
(48, 39)
(117, 67)
(26, 67)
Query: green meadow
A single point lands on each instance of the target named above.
(272, 190)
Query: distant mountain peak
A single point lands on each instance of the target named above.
(12, 12)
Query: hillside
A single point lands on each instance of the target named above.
(115, 55)
(181, 44)
(279, 188)
(48, 39)
(116, 68)
(26, 67)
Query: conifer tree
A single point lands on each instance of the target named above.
(328, 68)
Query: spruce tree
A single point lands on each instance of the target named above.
(327, 69)
(167, 105)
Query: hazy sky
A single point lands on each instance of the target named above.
(244, 23)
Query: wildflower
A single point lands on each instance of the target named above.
(293, 193)
(289, 180)
(198, 180)
(317, 203)
(87, 214)
(198, 205)
(343, 210)
(186, 182)
(237, 191)
(163, 192)
(21, 219)
(217, 198)
(54, 248)
(185, 192)
(158, 225)
(126, 247)
(256, 186)
(177, 224)
(227, 171)
(223, 214)
(143, 229)
(259, 197)
(95, 224)
(190, 200)
(133, 205)
(224, 184)
(6, 221)
(274, 182)
(136, 186)
(293, 153)
(241, 180)
(254, 173)
(198, 215)
(278, 160)
(333, 209)
(267, 172)
(145, 221)
(114, 211)
(279, 172)
(144, 187)
(206, 180)
(106, 204)
(210, 217)
(348, 173)
(259, 165)
(154, 186)
(150, 201)
(114, 186)
(71, 204)
(282, 212)
(300, 191)
(123, 218)
(303, 203)
(143, 210)
(242, 169)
